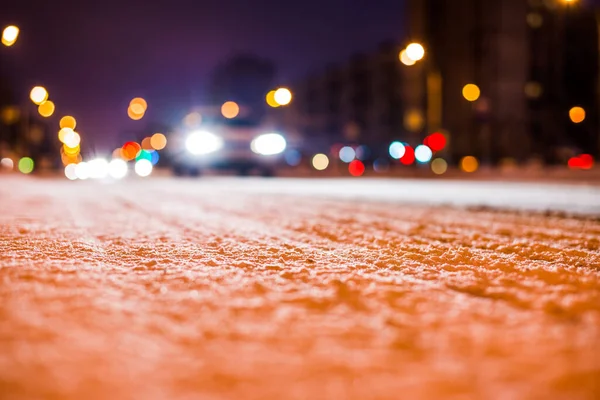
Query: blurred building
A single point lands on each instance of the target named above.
(531, 61)
(359, 101)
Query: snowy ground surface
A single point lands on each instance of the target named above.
(298, 289)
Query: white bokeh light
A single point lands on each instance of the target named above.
(347, 154)
(423, 154)
(98, 168)
(143, 167)
(71, 172)
(397, 150)
(82, 171)
(117, 168)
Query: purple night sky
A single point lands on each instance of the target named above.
(93, 57)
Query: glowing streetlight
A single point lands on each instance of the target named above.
(282, 96)
(10, 35)
(415, 51)
(38, 95)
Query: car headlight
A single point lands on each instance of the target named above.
(203, 142)
(268, 144)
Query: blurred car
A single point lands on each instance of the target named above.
(242, 145)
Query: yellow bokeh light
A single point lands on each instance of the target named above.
(193, 120)
(63, 133)
(158, 141)
(10, 35)
(38, 95)
(26, 165)
(70, 159)
(439, 166)
(471, 92)
(405, 59)
(577, 115)
(320, 162)
(414, 120)
(67, 122)
(415, 51)
(137, 109)
(282, 96)
(10, 115)
(71, 151)
(46, 109)
(271, 99)
(137, 104)
(230, 109)
(469, 164)
(134, 116)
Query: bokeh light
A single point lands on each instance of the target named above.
(439, 166)
(397, 150)
(193, 120)
(409, 156)
(230, 109)
(423, 153)
(469, 164)
(158, 141)
(7, 163)
(143, 167)
(139, 105)
(98, 168)
(356, 168)
(133, 115)
(38, 95)
(405, 59)
(471, 92)
(283, 96)
(363, 152)
(26, 165)
(62, 134)
(271, 99)
(46, 109)
(577, 115)
(67, 122)
(414, 120)
(70, 172)
(130, 150)
(71, 151)
(347, 154)
(72, 139)
(117, 168)
(293, 158)
(533, 90)
(381, 165)
(144, 155)
(147, 144)
(415, 51)
(154, 157)
(320, 162)
(436, 141)
(10, 35)
(82, 171)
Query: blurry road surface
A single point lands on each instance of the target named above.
(298, 289)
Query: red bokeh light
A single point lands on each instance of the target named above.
(435, 141)
(356, 168)
(587, 161)
(131, 150)
(409, 156)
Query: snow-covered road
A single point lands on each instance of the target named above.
(298, 289)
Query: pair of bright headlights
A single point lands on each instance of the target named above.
(203, 142)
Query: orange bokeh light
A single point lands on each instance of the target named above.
(130, 150)
(230, 109)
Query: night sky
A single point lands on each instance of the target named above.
(94, 57)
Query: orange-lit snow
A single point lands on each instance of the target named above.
(244, 289)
